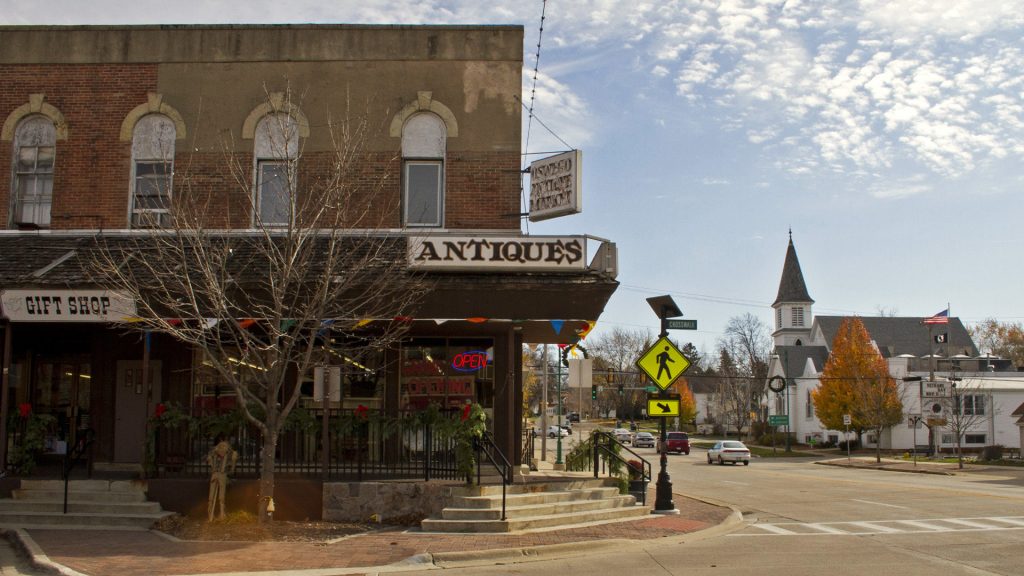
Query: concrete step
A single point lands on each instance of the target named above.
(531, 498)
(536, 510)
(535, 522)
(115, 504)
(87, 507)
(35, 519)
(78, 496)
(533, 487)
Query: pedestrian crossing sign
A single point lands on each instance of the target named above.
(663, 363)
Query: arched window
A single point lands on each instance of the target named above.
(423, 150)
(35, 143)
(275, 151)
(152, 170)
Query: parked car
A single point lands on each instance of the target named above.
(678, 442)
(643, 440)
(553, 432)
(574, 417)
(729, 451)
(622, 435)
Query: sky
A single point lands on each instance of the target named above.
(888, 135)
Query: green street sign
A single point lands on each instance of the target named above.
(651, 389)
(681, 324)
(778, 419)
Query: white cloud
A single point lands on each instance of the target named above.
(559, 110)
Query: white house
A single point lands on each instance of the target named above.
(938, 368)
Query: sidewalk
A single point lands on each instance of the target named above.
(130, 553)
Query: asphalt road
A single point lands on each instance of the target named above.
(806, 519)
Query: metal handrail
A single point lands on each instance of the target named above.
(603, 442)
(74, 456)
(485, 445)
(529, 447)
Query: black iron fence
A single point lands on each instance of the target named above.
(360, 444)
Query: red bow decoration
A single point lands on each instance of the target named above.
(160, 409)
(362, 412)
(466, 411)
(24, 409)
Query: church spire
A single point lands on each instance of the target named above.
(792, 287)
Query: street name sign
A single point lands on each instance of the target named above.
(662, 407)
(663, 363)
(778, 419)
(681, 324)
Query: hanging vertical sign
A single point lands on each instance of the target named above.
(556, 186)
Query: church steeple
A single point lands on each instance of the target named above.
(793, 303)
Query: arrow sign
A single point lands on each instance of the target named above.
(662, 407)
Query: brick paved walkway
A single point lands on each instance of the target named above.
(146, 553)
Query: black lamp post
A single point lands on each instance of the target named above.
(665, 308)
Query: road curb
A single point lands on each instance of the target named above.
(24, 543)
(884, 468)
(572, 549)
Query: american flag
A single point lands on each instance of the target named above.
(940, 318)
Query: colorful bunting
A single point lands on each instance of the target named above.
(557, 325)
(362, 323)
(287, 324)
(476, 320)
(209, 323)
(246, 323)
(585, 329)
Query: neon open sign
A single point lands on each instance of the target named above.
(469, 361)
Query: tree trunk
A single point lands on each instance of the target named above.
(878, 446)
(267, 460)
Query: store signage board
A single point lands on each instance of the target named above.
(498, 253)
(43, 305)
(556, 186)
(934, 389)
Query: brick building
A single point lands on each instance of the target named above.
(104, 128)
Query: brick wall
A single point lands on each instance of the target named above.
(93, 166)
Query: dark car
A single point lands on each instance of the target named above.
(574, 417)
(677, 442)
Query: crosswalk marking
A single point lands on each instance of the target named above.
(1014, 521)
(874, 527)
(774, 528)
(968, 523)
(926, 526)
(826, 528)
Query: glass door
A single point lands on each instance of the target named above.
(62, 389)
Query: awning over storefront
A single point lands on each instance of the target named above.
(547, 307)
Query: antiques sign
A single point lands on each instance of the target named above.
(66, 306)
(494, 253)
(556, 186)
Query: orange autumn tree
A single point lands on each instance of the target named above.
(687, 405)
(856, 381)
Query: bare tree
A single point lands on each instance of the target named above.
(618, 351)
(744, 350)
(966, 409)
(316, 276)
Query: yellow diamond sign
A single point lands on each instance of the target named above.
(663, 363)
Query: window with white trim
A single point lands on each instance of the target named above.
(152, 171)
(778, 318)
(809, 410)
(974, 438)
(35, 147)
(275, 152)
(973, 404)
(423, 150)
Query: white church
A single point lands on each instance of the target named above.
(938, 367)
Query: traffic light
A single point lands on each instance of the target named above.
(593, 392)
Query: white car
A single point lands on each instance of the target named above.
(729, 451)
(643, 440)
(553, 432)
(622, 435)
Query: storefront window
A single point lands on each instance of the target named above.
(360, 381)
(448, 372)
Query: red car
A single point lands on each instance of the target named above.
(677, 442)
